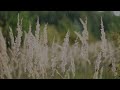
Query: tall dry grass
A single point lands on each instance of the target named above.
(33, 58)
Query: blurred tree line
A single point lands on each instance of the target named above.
(60, 22)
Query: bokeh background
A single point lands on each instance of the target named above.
(59, 22)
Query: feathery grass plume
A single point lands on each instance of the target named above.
(37, 52)
(72, 64)
(53, 57)
(97, 66)
(19, 35)
(104, 41)
(84, 38)
(5, 71)
(112, 59)
(103, 53)
(104, 50)
(85, 32)
(64, 52)
(37, 32)
(40, 53)
(30, 51)
(15, 48)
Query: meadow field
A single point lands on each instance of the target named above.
(33, 55)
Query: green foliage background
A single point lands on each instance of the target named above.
(59, 22)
